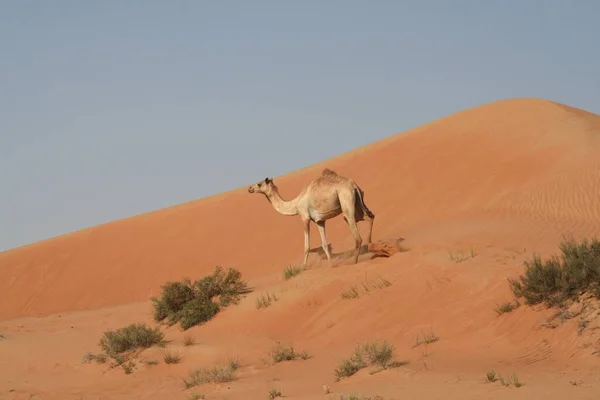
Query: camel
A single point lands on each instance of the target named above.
(321, 199)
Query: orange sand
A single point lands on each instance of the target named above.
(507, 178)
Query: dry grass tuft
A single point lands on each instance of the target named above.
(380, 354)
(265, 300)
(217, 374)
(282, 352)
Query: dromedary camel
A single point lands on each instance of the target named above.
(323, 198)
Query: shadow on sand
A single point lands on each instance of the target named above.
(378, 248)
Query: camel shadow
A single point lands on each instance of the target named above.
(379, 248)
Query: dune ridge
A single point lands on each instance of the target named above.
(508, 179)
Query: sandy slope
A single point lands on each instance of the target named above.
(507, 178)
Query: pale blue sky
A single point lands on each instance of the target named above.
(113, 108)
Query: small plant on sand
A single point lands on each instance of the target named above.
(274, 393)
(195, 303)
(379, 354)
(355, 397)
(122, 343)
(189, 340)
(380, 283)
(265, 300)
(460, 256)
(351, 293)
(99, 358)
(367, 286)
(197, 396)
(217, 374)
(516, 380)
(171, 357)
(128, 367)
(560, 279)
(506, 307)
(282, 352)
(291, 271)
(426, 338)
(491, 376)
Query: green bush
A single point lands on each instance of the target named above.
(196, 312)
(194, 303)
(561, 278)
(130, 337)
(376, 353)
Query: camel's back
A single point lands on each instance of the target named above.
(330, 178)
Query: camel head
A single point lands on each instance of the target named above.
(265, 186)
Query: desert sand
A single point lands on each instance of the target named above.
(506, 179)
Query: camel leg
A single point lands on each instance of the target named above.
(321, 226)
(306, 241)
(357, 238)
(370, 223)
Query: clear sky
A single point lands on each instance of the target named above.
(113, 108)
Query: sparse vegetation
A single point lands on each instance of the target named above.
(121, 344)
(460, 256)
(189, 340)
(516, 380)
(291, 271)
(561, 278)
(99, 358)
(380, 354)
(171, 357)
(376, 284)
(192, 304)
(582, 325)
(367, 285)
(274, 393)
(282, 352)
(506, 307)
(265, 300)
(128, 367)
(217, 374)
(426, 338)
(354, 397)
(197, 396)
(491, 376)
(351, 293)
(131, 337)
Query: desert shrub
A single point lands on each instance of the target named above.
(189, 341)
(283, 352)
(291, 271)
(171, 357)
(194, 303)
(561, 278)
(216, 374)
(274, 393)
(174, 296)
(380, 354)
(196, 312)
(130, 337)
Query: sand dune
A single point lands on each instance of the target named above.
(507, 179)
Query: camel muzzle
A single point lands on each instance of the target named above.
(250, 189)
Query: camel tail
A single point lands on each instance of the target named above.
(364, 207)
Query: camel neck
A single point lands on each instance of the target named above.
(282, 206)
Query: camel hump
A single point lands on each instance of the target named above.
(328, 172)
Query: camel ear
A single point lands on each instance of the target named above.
(268, 180)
